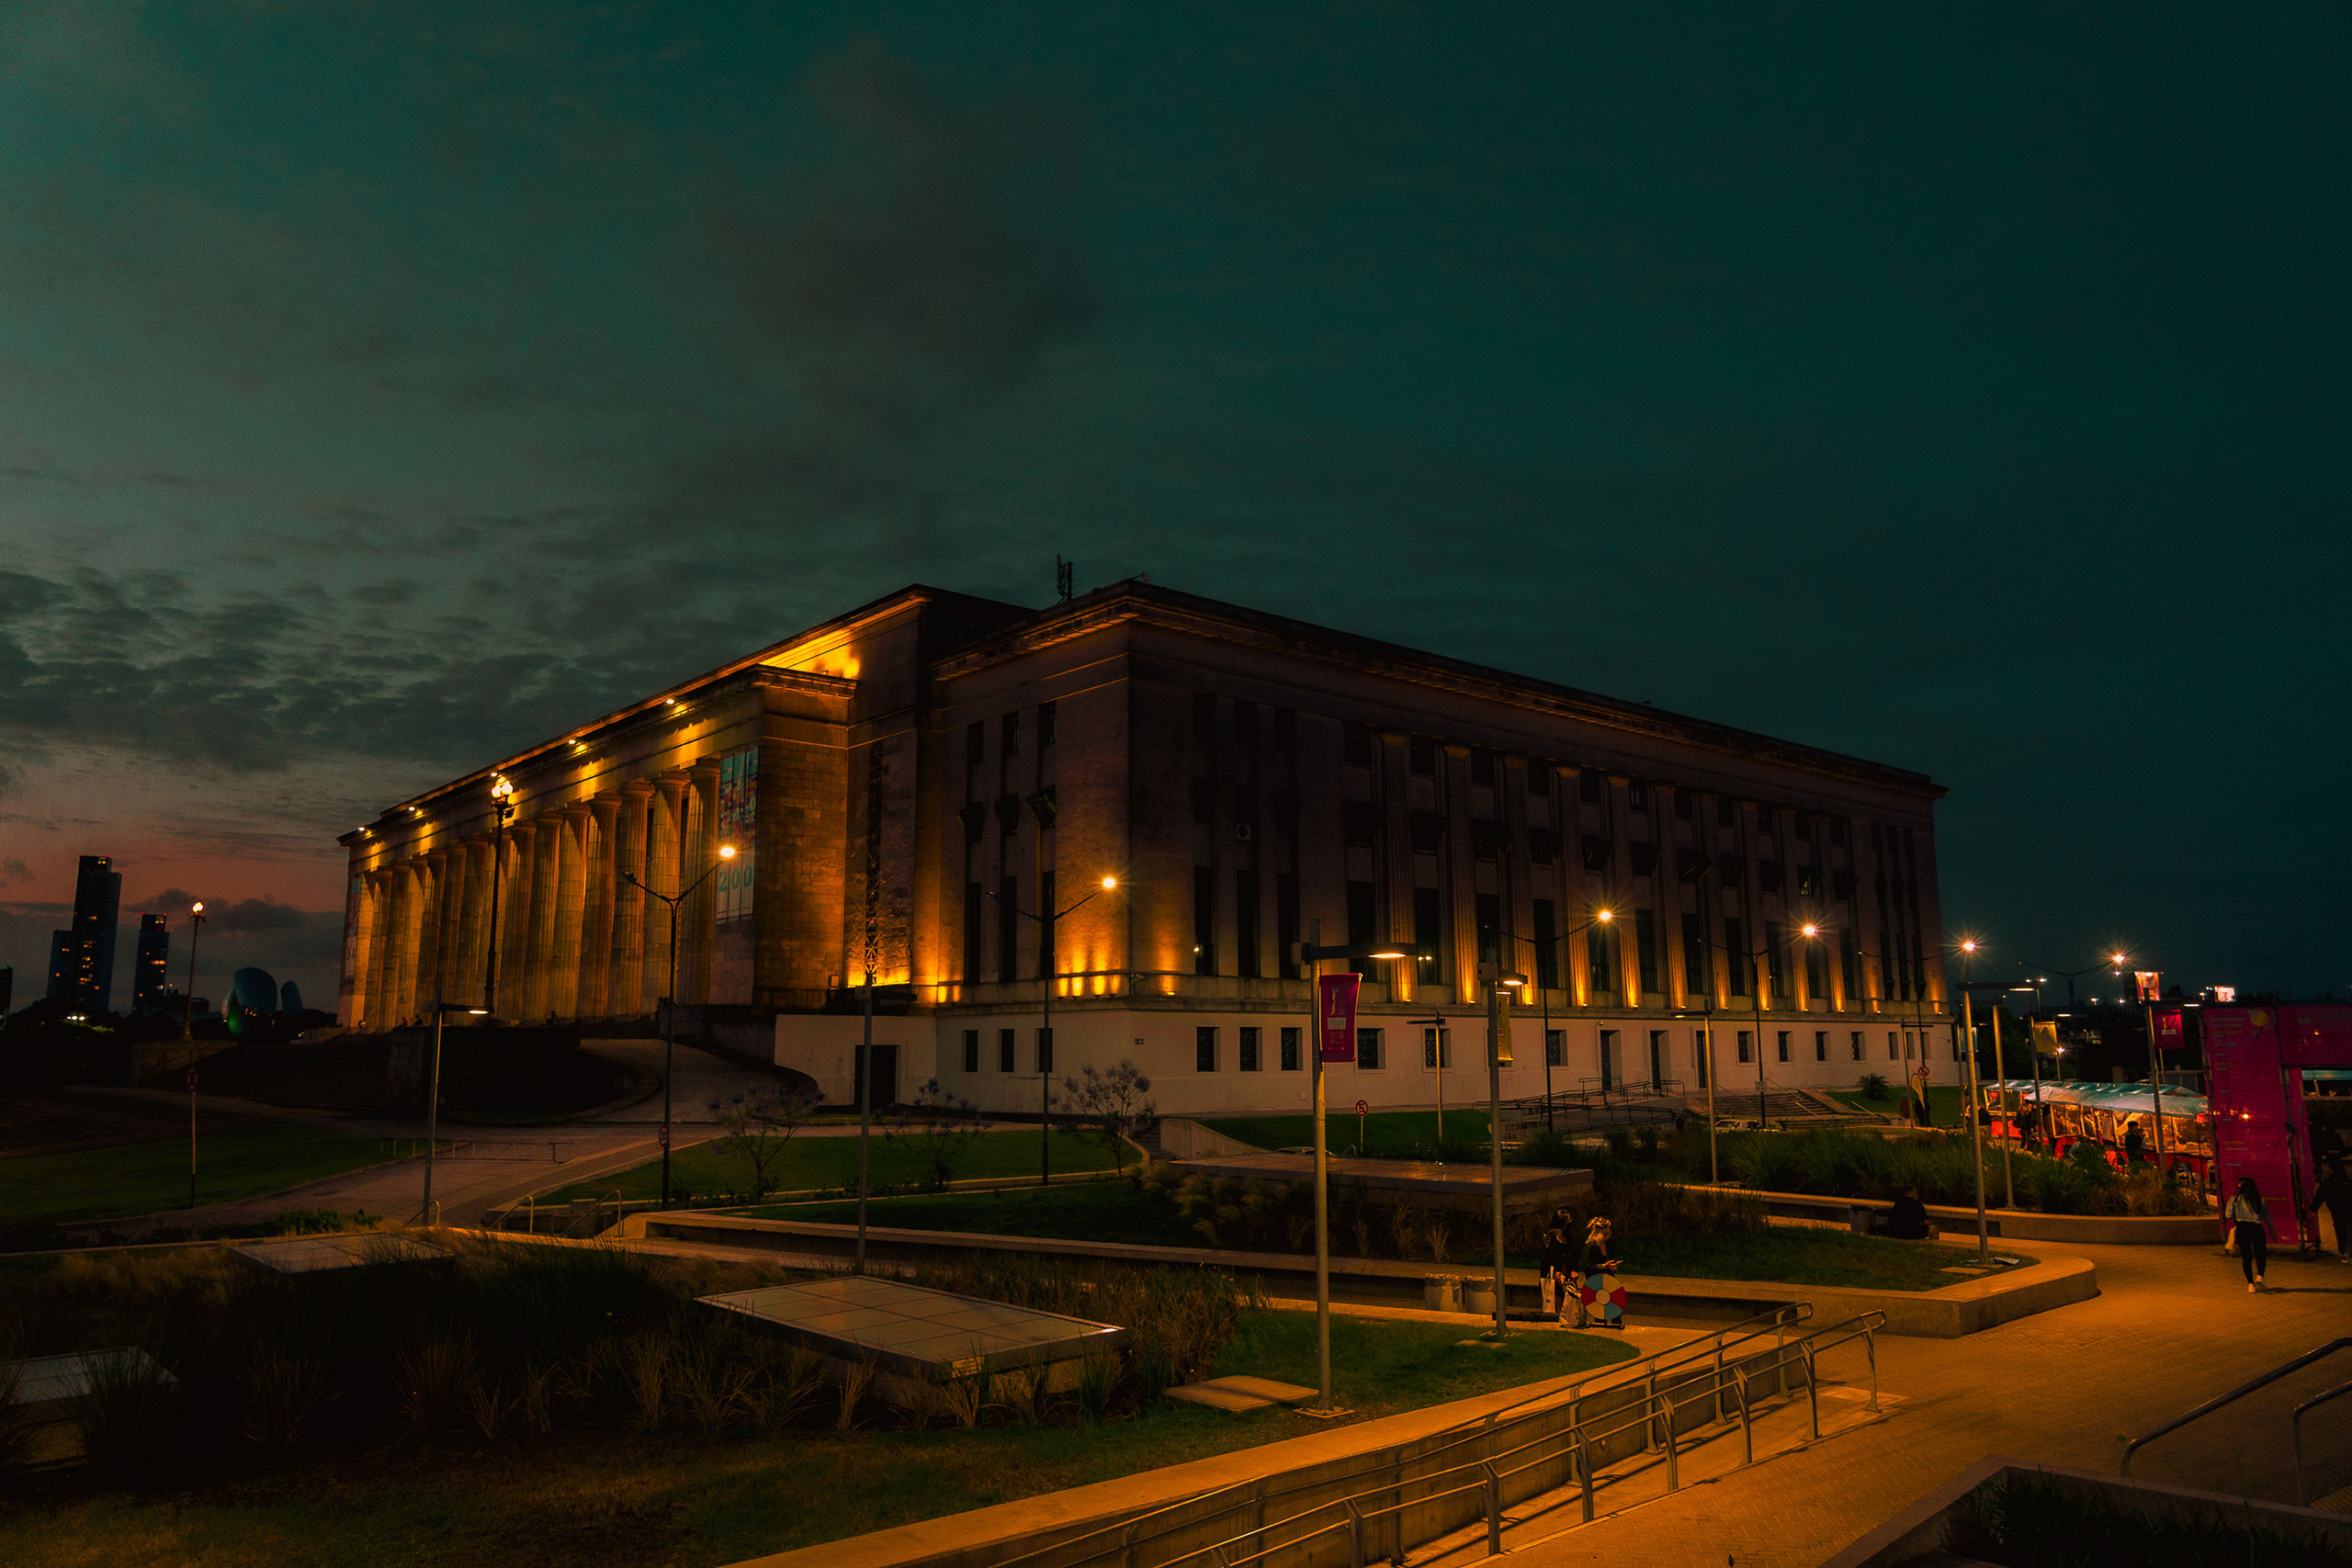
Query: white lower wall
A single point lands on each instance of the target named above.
(1164, 1044)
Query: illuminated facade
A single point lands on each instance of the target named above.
(922, 778)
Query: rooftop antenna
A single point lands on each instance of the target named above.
(1063, 571)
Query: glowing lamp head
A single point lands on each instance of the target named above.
(1810, 930)
(2119, 958)
(1606, 915)
(1109, 882)
(500, 788)
(726, 852)
(199, 908)
(1969, 946)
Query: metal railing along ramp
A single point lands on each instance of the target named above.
(1383, 1503)
(2295, 1422)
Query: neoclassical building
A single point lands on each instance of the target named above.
(929, 786)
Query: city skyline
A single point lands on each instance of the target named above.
(361, 426)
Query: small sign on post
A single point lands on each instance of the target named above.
(1362, 1111)
(1335, 1013)
(663, 1136)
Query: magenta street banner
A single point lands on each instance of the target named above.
(1335, 1013)
(739, 822)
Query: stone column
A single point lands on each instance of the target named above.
(514, 920)
(368, 966)
(700, 914)
(571, 890)
(1458, 869)
(626, 994)
(664, 845)
(597, 909)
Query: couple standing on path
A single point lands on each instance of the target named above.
(1590, 1273)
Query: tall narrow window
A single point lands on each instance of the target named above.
(1547, 946)
(1556, 1047)
(1591, 788)
(1491, 929)
(1004, 1063)
(1701, 1047)
(1008, 930)
(1245, 725)
(1246, 1044)
(1045, 1050)
(1290, 1050)
(1011, 725)
(1048, 724)
(1360, 913)
(1856, 1042)
(1611, 1070)
(1776, 954)
(1747, 1046)
(1601, 958)
(1045, 958)
(1205, 1049)
(1697, 977)
(1204, 716)
(1203, 920)
(1422, 756)
(1742, 963)
(1821, 1044)
(976, 743)
(972, 929)
(1429, 937)
(1645, 949)
(1782, 1045)
(1368, 1050)
(1657, 1055)
(1355, 745)
(1437, 1048)
(1817, 971)
(1245, 923)
(1850, 969)
(971, 1050)
(1285, 923)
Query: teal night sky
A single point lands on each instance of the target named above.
(1960, 387)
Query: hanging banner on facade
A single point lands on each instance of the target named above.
(738, 821)
(1335, 1015)
(2168, 1030)
(2143, 985)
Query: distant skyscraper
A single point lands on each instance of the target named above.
(149, 983)
(80, 961)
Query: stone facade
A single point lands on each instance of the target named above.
(935, 772)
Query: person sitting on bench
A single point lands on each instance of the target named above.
(1906, 1218)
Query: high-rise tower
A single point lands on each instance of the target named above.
(149, 984)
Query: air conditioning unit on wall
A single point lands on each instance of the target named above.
(1242, 830)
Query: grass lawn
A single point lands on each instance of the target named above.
(817, 1165)
(1385, 1133)
(592, 1499)
(142, 1178)
(1943, 1102)
(1113, 1210)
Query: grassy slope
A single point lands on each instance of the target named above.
(612, 1498)
(1384, 1132)
(823, 1164)
(1113, 1211)
(141, 1179)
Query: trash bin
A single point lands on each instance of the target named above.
(1441, 1293)
(1479, 1297)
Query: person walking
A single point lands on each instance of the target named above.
(2334, 1193)
(1602, 1290)
(2135, 1144)
(1561, 1283)
(2249, 1225)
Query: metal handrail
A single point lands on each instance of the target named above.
(2302, 1491)
(1251, 1493)
(1575, 1436)
(2217, 1401)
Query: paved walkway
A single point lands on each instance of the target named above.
(2173, 1327)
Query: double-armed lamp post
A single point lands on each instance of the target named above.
(1310, 956)
(426, 1213)
(670, 1002)
(1046, 925)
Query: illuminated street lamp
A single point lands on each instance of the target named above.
(195, 930)
(1969, 947)
(502, 805)
(1046, 926)
(1496, 980)
(1544, 1000)
(425, 1212)
(669, 1002)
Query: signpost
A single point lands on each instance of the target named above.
(1362, 1140)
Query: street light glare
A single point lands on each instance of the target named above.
(1810, 930)
(500, 788)
(726, 852)
(1109, 882)
(1969, 946)
(1606, 915)
(200, 908)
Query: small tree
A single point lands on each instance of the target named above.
(937, 1127)
(759, 1127)
(1111, 1107)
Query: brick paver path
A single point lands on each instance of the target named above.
(2172, 1327)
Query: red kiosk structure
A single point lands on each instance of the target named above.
(2256, 1059)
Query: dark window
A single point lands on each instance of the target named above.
(976, 743)
(1591, 788)
(1491, 929)
(1600, 959)
(1686, 805)
(1857, 1045)
(1730, 869)
(1849, 967)
(1817, 968)
(1556, 1047)
(1542, 844)
(1841, 885)
(1808, 882)
(1045, 925)
(1245, 724)
(1701, 1048)
(1596, 852)
(1285, 730)
(1361, 824)
(1204, 800)
(971, 1050)
(1429, 831)
(1767, 875)
(1008, 814)
(1008, 930)
(1726, 812)
(1205, 1049)
(1011, 728)
(1245, 803)
(1776, 954)
(1437, 1048)
(1004, 1063)
(1637, 796)
(1821, 1044)
(1205, 714)
(1286, 811)
(1355, 745)
(1246, 1045)
(1690, 865)
(1645, 949)
(1245, 923)
(1547, 946)
(1482, 768)
(974, 816)
(972, 931)
(1747, 1046)
(1489, 840)
(1837, 837)
(1782, 1045)
(1368, 1049)
(1045, 1050)
(1539, 778)
(1203, 920)
(1360, 913)
(1048, 724)
(1285, 923)
(1429, 936)
(1804, 824)
(1290, 1050)
(1645, 858)
(1423, 756)
(1739, 963)
(1695, 970)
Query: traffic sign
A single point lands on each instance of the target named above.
(191, 1080)
(664, 1134)
(1362, 1109)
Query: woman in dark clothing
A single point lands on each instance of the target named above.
(1560, 1280)
(2249, 1225)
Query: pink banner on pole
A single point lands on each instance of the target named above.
(1335, 1015)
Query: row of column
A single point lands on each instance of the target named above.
(574, 938)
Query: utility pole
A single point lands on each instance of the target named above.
(670, 1002)
(1497, 979)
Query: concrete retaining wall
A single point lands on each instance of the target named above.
(1181, 1138)
(2009, 1225)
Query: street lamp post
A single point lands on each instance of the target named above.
(2155, 1068)
(1543, 995)
(195, 930)
(1496, 979)
(432, 1099)
(1046, 927)
(1309, 955)
(1975, 1097)
(670, 1002)
(501, 807)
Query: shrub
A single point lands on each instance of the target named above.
(125, 1412)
